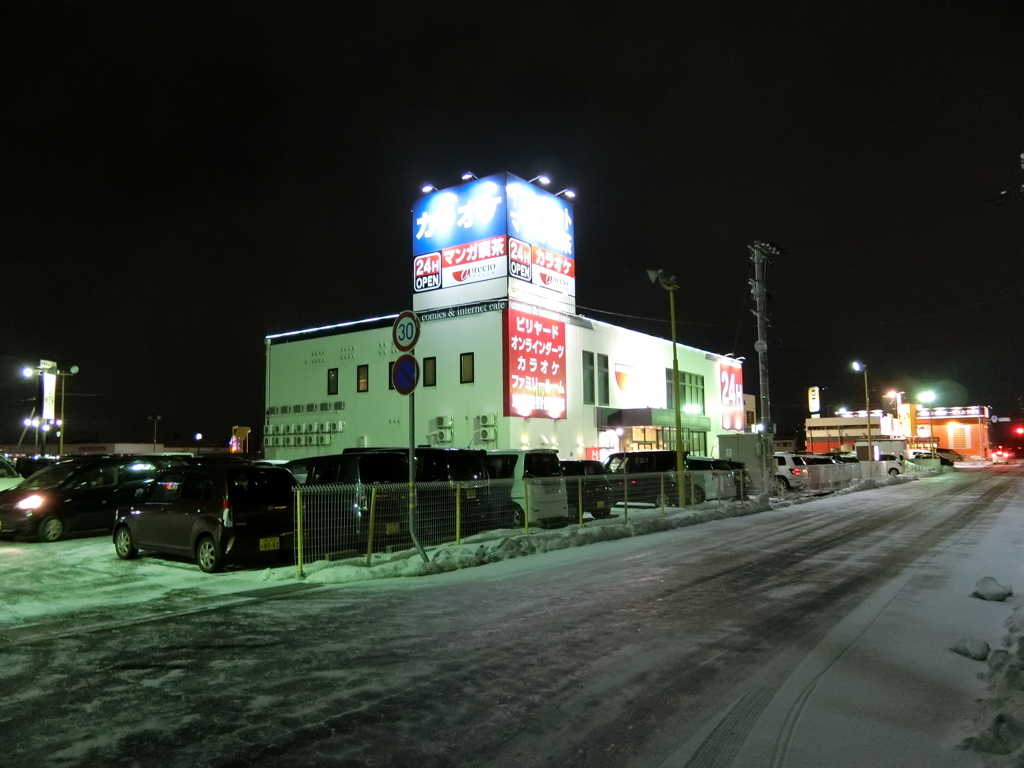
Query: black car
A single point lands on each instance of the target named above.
(598, 495)
(212, 513)
(75, 496)
(634, 465)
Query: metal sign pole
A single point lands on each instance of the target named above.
(412, 477)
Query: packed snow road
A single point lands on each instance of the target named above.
(681, 648)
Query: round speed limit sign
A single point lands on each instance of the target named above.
(406, 331)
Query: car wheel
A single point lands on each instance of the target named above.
(515, 516)
(893, 472)
(599, 513)
(782, 486)
(207, 557)
(663, 501)
(124, 544)
(51, 529)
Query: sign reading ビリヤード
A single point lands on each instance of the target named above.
(496, 227)
(534, 363)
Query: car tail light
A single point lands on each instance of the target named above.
(797, 471)
(226, 516)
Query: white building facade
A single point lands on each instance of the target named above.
(504, 360)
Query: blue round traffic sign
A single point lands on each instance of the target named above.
(406, 374)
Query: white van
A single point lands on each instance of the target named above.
(534, 474)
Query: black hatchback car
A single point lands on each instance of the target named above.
(76, 495)
(598, 495)
(213, 513)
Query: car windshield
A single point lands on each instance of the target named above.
(468, 466)
(7, 469)
(50, 477)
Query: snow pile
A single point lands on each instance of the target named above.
(990, 589)
(972, 649)
(1000, 735)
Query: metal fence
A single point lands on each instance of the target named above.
(368, 521)
(337, 522)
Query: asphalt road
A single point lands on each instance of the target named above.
(625, 653)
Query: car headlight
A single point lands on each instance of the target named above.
(35, 501)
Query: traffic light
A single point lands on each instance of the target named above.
(1018, 430)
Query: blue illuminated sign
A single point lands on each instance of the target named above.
(495, 206)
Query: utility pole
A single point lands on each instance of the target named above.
(759, 290)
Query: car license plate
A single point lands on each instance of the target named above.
(273, 542)
(471, 493)
(600, 505)
(391, 528)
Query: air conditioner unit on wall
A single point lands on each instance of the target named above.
(325, 406)
(272, 410)
(314, 427)
(488, 434)
(445, 421)
(323, 439)
(286, 409)
(289, 440)
(311, 439)
(445, 435)
(289, 429)
(337, 426)
(325, 426)
(312, 407)
(488, 419)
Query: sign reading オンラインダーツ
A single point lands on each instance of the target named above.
(496, 227)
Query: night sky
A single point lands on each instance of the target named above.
(180, 180)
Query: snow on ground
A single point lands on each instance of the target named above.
(884, 684)
(43, 581)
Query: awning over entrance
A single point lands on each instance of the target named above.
(649, 417)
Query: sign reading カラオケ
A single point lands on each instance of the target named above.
(730, 380)
(534, 364)
(496, 227)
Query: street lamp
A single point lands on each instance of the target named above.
(570, 194)
(929, 397)
(49, 367)
(155, 420)
(199, 437)
(867, 407)
(668, 282)
(542, 179)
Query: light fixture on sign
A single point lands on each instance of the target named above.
(542, 179)
(566, 193)
(428, 188)
(468, 175)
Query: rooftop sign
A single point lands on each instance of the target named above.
(466, 234)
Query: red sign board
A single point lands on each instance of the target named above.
(730, 380)
(534, 359)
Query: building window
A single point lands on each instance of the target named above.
(362, 378)
(332, 381)
(588, 378)
(391, 375)
(466, 368)
(691, 388)
(602, 380)
(429, 371)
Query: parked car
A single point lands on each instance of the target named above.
(535, 484)
(214, 513)
(894, 463)
(598, 496)
(715, 476)
(843, 458)
(9, 475)
(791, 471)
(75, 496)
(29, 465)
(632, 465)
(943, 461)
(950, 454)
